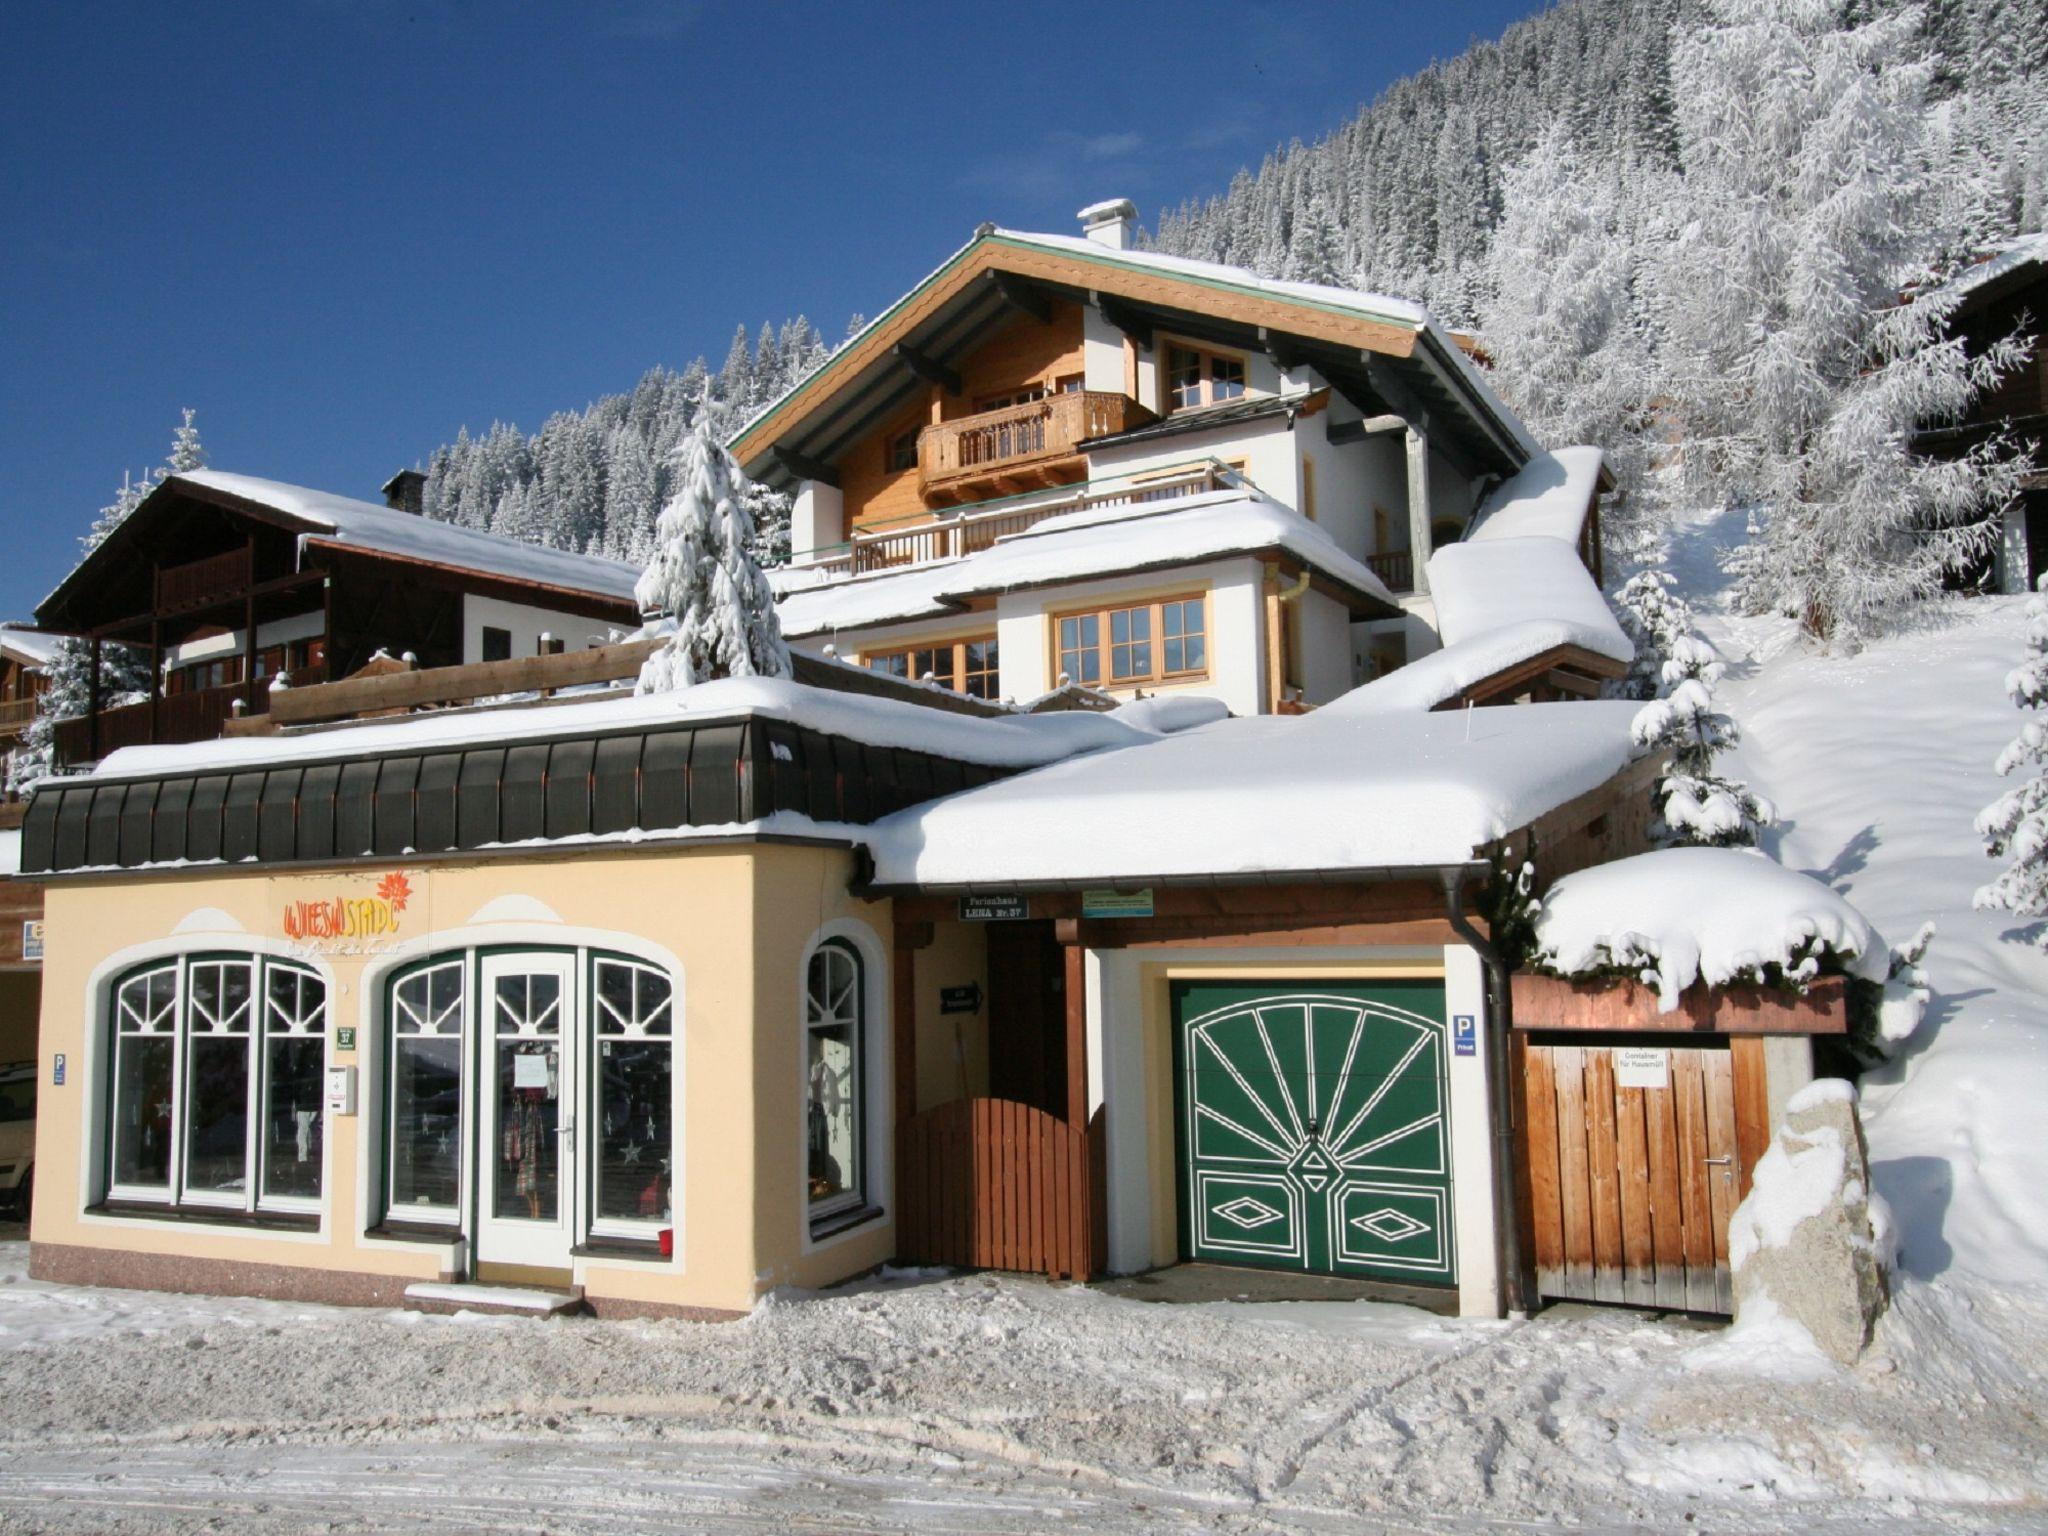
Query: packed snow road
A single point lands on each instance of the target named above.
(975, 1404)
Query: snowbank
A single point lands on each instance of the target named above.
(1344, 792)
(1007, 741)
(1486, 586)
(1077, 545)
(1716, 915)
(343, 521)
(1549, 496)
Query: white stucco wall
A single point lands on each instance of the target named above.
(817, 520)
(1325, 633)
(300, 626)
(526, 626)
(1102, 352)
(1267, 448)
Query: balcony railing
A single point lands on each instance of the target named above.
(201, 581)
(1019, 440)
(1396, 568)
(15, 715)
(969, 531)
(200, 715)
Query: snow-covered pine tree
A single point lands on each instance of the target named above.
(1655, 618)
(187, 452)
(2015, 825)
(704, 576)
(1696, 806)
(1797, 374)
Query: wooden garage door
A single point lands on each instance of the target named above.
(1313, 1127)
(1635, 1165)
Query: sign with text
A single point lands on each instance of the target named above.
(965, 999)
(57, 1070)
(32, 939)
(350, 924)
(345, 1037)
(1465, 1034)
(993, 907)
(1116, 903)
(1642, 1066)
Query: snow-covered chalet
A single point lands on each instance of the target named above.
(1108, 889)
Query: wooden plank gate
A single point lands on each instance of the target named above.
(1632, 1186)
(995, 1184)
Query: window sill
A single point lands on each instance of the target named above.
(844, 1221)
(209, 1216)
(415, 1232)
(642, 1250)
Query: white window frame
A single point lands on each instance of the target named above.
(856, 1196)
(460, 962)
(176, 1193)
(615, 1028)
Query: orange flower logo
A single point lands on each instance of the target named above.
(396, 889)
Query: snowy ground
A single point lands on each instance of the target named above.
(981, 1404)
(972, 1403)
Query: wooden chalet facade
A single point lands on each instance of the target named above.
(226, 584)
(24, 659)
(1039, 380)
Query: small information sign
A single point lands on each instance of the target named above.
(32, 939)
(345, 1037)
(57, 1071)
(1642, 1066)
(965, 999)
(1116, 903)
(993, 907)
(1465, 1034)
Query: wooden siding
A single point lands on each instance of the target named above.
(994, 1184)
(1020, 353)
(1617, 1003)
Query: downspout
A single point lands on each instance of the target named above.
(1507, 1223)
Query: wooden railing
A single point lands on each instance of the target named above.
(1018, 436)
(200, 715)
(1396, 568)
(994, 1184)
(200, 581)
(15, 715)
(967, 531)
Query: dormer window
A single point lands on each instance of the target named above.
(1196, 376)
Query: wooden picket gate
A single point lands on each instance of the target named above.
(1631, 1187)
(994, 1184)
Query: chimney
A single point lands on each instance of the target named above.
(1114, 223)
(406, 492)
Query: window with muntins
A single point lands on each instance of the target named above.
(835, 1092)
(424, 1115)
(965, 666)
(1164, 641)
(635, 1008)
(1196, 376)
(216, 1095)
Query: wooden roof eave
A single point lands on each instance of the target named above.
(994, 253)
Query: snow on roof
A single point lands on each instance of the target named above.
(1006, 741)
(1699, 914)
(1483, 587)
(2023, 252)
(1550, 495)
(1087, 543)
(30, 647)
(1336, 791)
(345, 521)
(1443, 675)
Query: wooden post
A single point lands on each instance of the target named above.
(156, 672)
(1276, 644)
(1418, 509)
(1076, 997)
(92, 705)
(249, 629)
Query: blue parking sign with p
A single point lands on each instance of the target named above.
(1465, 1034)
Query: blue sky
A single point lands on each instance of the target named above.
(342, 229)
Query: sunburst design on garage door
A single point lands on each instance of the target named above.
(1314, 1131)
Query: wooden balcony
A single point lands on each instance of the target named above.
(1396, 568)
(1020, 447)
(970, 529)
(15, 715)
(200, 715)
(199, 582)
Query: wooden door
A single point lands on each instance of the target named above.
(1635, 1164)
(1027, 1018)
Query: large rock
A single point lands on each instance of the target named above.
(1812, 1242)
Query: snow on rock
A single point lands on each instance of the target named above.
(1550, 495)
(1485, 586)
(342, 520)
(1207, 525)
(1808, 1246)
(1717, 915)
(1360, 792)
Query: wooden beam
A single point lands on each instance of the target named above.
(1076, 998)
(459, 684)
(1341, 432)
(1023, 296)
(1287, 353)
(1126, 319)
(804, 467)
(930, 369)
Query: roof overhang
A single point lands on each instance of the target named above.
(1381, 363)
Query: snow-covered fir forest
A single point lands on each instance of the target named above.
(1530, 187)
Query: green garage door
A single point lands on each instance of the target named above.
(1313, 1127)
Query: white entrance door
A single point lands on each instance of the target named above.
(528, 1093)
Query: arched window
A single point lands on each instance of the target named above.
(216, 1099)
(424, 1120)
(835, 1110)
(632, 1096)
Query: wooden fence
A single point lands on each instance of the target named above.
(994, 1184)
